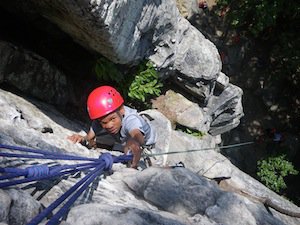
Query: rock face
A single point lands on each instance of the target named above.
(156, 195)
(31, 73)
(125, 32)
(128, 31)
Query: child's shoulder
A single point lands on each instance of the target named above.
(129, 110)
(131, 115)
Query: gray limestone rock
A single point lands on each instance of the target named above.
(188, 194)
(232, 209)
(91, 214)
(32, 74)
(175, 190)
(5, 204)
(127, 32)
(23, 207)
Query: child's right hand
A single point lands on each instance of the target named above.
(76, 138)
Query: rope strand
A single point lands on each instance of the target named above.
(197, 150)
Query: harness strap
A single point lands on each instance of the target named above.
(146, 150)
(147, 116)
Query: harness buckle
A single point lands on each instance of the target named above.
(146, 150)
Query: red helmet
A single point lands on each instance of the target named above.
(102, 101)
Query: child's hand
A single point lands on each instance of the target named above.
(76, 138)
(92, 143)
(133, 146)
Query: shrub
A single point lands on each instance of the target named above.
(145, 84)
(258, 15)
(273, 170)
(107, 71)
(193, 132)
(141, 85)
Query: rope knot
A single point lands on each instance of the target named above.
(108, 159)
(37, 171)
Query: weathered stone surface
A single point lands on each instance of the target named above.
(127, 32)
(187, 194)
(231, 209)
(222, 112)
(188, 8)
(5, 203)
(204, 160)
(23, 207)
(32, 74)
(175, 190)
(226, 110)
(118, 215)
(182, 111)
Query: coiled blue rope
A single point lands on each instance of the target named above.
(105, 163)
(40, 172)
(30, 179)
(55, 218)
(40, 154)
(57, 202)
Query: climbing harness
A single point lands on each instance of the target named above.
(41, 172)
(146, 151)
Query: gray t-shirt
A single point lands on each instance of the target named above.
(131, 120)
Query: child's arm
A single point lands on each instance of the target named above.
(134, 144)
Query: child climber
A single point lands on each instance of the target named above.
(115, 125)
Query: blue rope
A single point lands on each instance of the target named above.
(41, 172)
(108, 159)
(27, 180)
(43, 177)
(17, 172)
(123, 158)
(57, 172)
(61, 157)
(23, 149)
(38, 171)
(13, 172)
(57, 202)
(105, 163)
(55, 218)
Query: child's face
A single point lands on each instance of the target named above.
(112, 122)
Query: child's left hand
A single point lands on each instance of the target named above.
(133, 146)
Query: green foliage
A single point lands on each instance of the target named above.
(140, 85)
(145, 84)
(258, 15)
(274, 24)
(286, 57)
(107, 71)
(273, 170)
(195, 133)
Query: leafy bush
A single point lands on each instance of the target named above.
(273, 170)
(107, 71)
(195, 133)
(258, 15)
(145, 84)
(140, 85)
